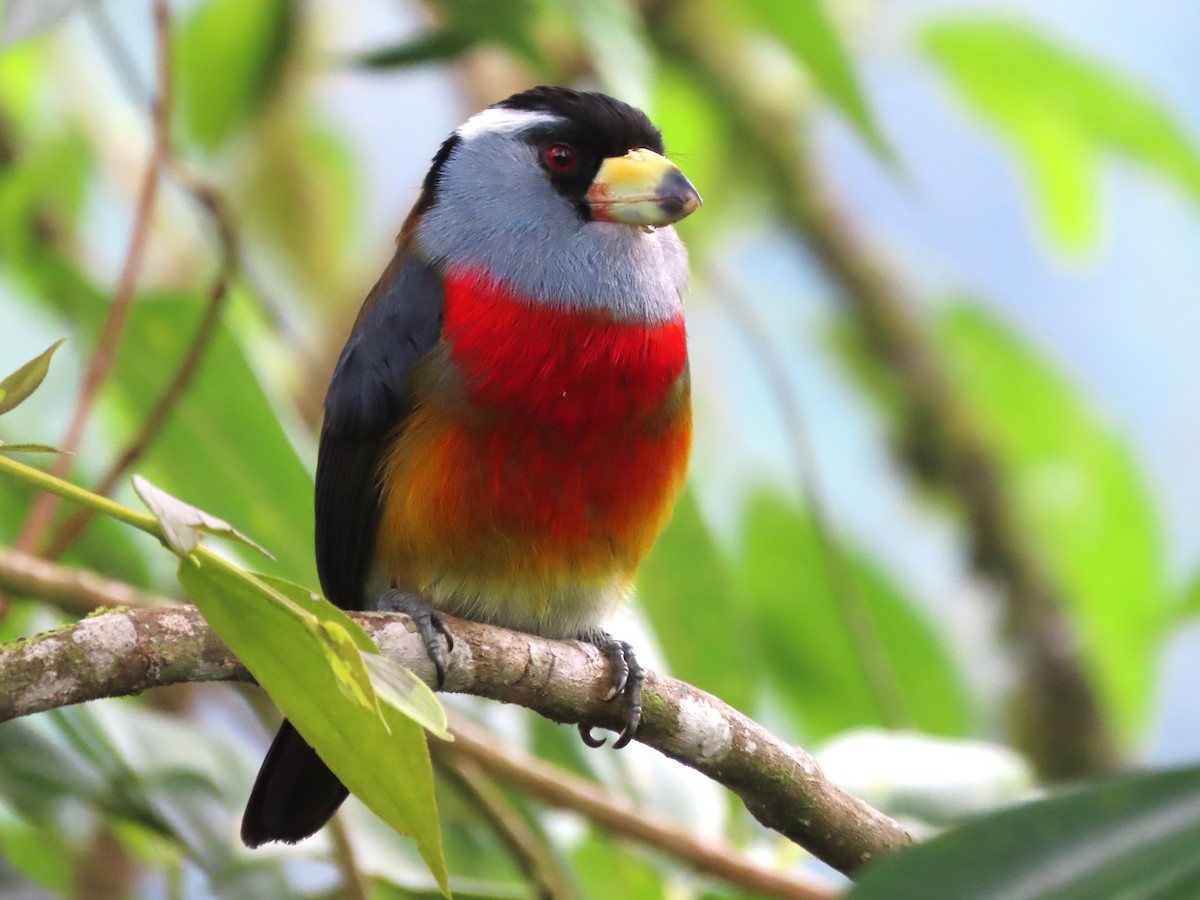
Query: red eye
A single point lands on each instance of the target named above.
(560, 157)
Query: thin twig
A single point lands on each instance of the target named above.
(354, 883)
(1058, 719)
(781, 785)
(42, 511)
(882, 681)
(533, 856)
(181, 380)
(617, 815)
(74, 591)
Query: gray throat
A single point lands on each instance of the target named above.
(496, 211)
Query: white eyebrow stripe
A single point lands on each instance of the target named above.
(494, 120)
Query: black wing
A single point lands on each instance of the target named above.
(368, 400)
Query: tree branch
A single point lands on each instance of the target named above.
(127, 651)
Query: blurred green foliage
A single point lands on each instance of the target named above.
(1062, 113)
(772, 609)
(1082, 497)
(231, 57)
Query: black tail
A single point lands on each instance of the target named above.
(294, 794)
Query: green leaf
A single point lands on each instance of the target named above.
(380, 755)
(230, 58)
(806, 27)
(1129, 837)
(392, 683)
(434, 46)
(183, 525)
(1082, 500)
(817, 670)
(16, 388)
(467, 23)
(399, 687)
(346, 663)
(1062, 113)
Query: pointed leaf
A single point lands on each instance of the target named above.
(382, 758)
(17, 387)
(434, 46)
(184, 525)
(1129, 837)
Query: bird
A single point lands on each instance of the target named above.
(509, 424)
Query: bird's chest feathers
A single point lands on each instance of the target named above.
(572, 374)
(574, 428)
(542, 460)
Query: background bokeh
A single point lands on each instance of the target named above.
(1026, 178)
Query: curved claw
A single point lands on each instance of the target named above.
(633, 716)
(439, 668)
(442, 630)
(627, 678)
(585, 734)
(429, 625)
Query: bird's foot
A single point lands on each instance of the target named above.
(429, 626)
(627, 678)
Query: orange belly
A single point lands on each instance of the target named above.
(503, 525)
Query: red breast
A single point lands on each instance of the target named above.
(547, 445)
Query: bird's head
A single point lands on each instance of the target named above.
(566, 197)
